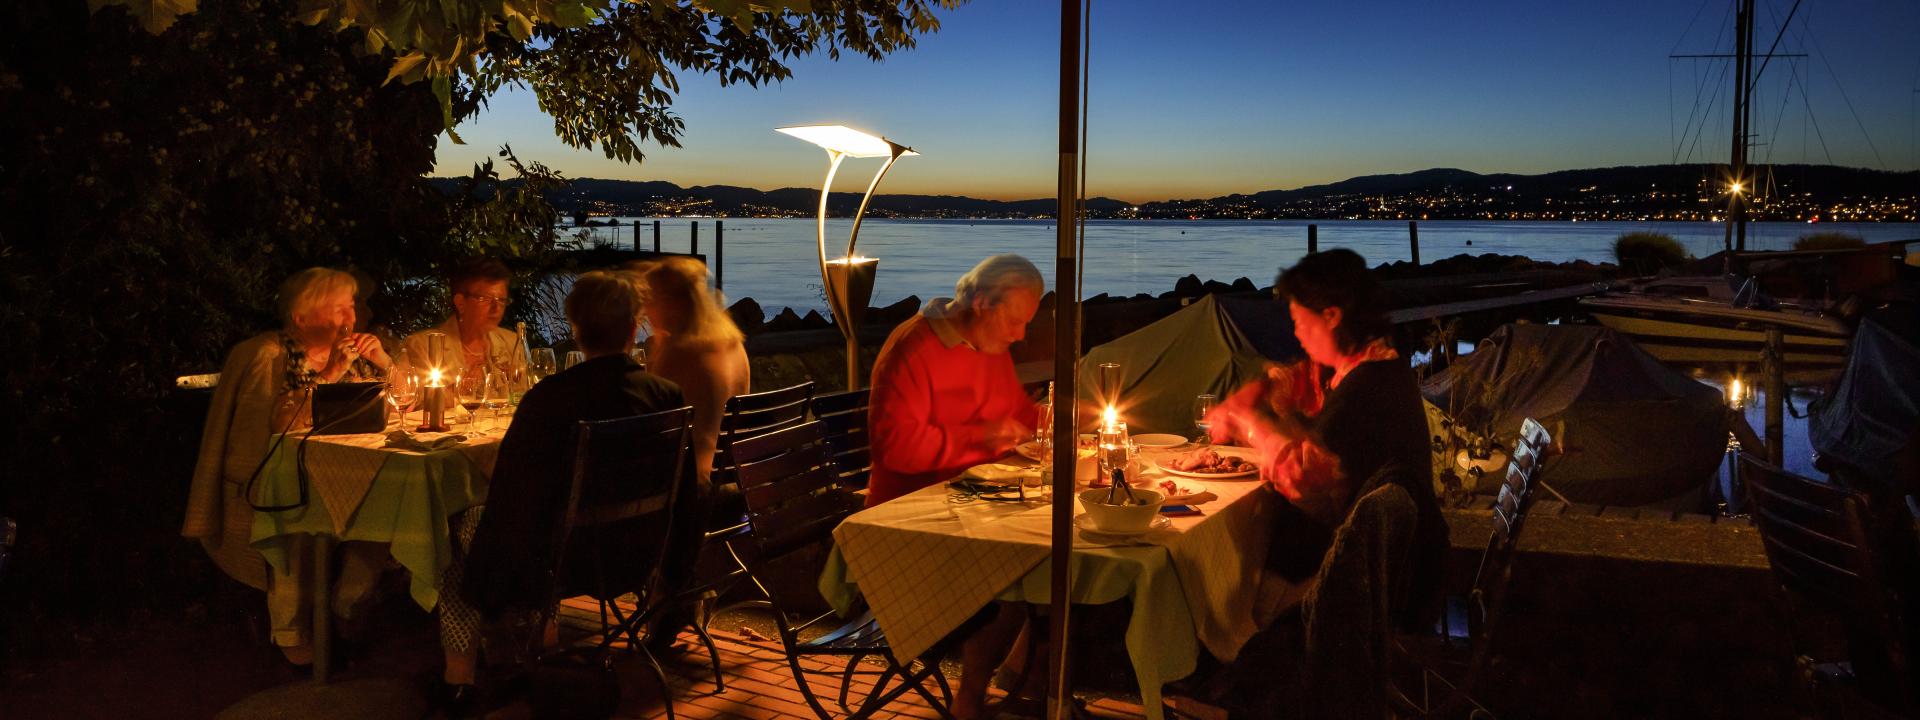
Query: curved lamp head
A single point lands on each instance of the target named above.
(848, 141)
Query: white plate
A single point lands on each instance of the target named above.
(1085, 524)
(1209, 476)
(1158, 441)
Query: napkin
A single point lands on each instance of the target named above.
(403, 440)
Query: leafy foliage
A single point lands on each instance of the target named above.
(1646, 253)
(603, 69)
(154, 190)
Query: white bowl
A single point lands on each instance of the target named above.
(1121, 518)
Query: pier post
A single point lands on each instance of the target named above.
(1313, 239)
(693, 240)
(636, 236)
(656, 236)
(1776, 365)
(719, 246)
(1413, 237)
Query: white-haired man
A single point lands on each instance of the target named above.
(945, 396)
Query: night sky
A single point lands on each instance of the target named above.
(1247, 96)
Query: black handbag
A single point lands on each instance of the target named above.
(349, 408)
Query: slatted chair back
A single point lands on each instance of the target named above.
(1487, 598)
(794, 500)
(792, 491)
(623, 470)
(845, 416)
(1817, 544)
(757, 414)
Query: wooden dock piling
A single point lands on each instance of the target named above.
(1413, 238)
(1313, 239)
(719, 246)
(656, 236)
(693, 240)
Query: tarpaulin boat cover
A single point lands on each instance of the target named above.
(1636, 431)
(1871, 416)
(1211, 346)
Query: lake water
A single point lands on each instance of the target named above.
(773, 261)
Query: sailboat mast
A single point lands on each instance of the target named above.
(1742, 96)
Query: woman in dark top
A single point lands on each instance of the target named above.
(1327, 425)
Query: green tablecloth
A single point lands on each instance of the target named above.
(389, 496)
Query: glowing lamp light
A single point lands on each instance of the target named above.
(1735, 188)
(846, 141)
(1110, 418)
(433, 378)
(848, 279)
(1736, 393)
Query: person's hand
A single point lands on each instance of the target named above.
(369, 347)
(1232, 421)
(340, 360)
(1001, 435)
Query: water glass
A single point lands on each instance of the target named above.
(541, 364)
(495, 392)
(1202, 405)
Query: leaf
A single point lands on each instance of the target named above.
(573, 14)
(154, 16)
(443, 91)
(408, 68)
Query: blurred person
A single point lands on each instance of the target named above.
(696, 345)
(1325, 425)
(264, 389)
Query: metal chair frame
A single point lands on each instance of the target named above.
(746, 416)
(1486, 601)
(794, 501)
(655, 440)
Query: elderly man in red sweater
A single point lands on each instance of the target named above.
(945, 398)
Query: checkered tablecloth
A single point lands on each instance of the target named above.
(359, 489)
(926, 563)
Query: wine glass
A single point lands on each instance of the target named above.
(1203, 405)
(541, 365)
(574, 357)
(470, 387)
(639, 355)
(402, 388)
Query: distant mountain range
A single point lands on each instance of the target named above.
(1672, 191)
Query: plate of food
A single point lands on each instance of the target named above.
(1158, 441)
(1209, 463)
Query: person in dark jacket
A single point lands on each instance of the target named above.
(1328, 424)
(510, 556)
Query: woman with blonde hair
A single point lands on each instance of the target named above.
(264, 390)
(697, 346)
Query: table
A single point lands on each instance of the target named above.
(361, 490)
(926, 564)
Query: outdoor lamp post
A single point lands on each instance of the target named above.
(848, 279)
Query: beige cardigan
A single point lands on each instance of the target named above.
(231, 447)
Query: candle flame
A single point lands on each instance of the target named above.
(1735, 392)
(1110, 418)
(433, 377)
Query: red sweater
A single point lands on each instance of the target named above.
(929, 389)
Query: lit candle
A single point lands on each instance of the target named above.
(1109, 419)
(433, 417)
(1736, 395)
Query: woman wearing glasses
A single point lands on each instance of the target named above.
(474, 336)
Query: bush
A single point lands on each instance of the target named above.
(1829, 241)
(1646, 253)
